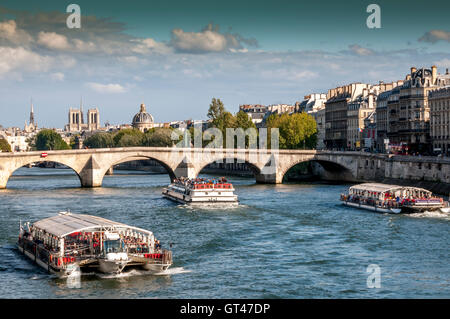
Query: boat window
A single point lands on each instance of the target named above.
(113, 246)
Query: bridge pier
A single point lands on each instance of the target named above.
(92, 174)
(3, 181)
(184, 169)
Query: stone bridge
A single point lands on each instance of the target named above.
(268, 166)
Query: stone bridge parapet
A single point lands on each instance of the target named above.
(268, 166)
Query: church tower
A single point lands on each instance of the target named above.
(32, 114)
(32, 126)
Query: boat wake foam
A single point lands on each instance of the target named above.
(173, 271)
(431, 214)
(211, 206)
(136, 272)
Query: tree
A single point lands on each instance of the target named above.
(297, 131)
(271, 122)
(99, 140)
(50, 140)
(220, 118)
(129, 140)
(158, 137)
(216, 112)
(243, 121)
(4, 145)
(128, 137)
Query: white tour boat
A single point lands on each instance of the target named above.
(192, 191)
(67, 242)
(396, 199)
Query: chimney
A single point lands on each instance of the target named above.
(446, 71)
(434, 73)
(371, 101)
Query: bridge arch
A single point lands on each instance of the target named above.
(332, 170)
(253, 168)
(254, 163)
(7, 171)
(136, 157)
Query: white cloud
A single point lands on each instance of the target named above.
(208, 40)
(58, 76)
(83, 46)
(434, 36)
(244, 50)
(360, 50)
(53, 40)
(21, 59)
(10, 32)
(106, 88)
(148, 45)
(444, 63)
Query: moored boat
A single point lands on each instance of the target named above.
(67, 242)
(201, 191)
(396, 199)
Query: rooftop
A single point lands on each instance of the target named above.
(65, 223)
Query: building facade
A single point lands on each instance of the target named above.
(358, 111)
(314, 105)
(255, 112)
(76, 120)
(408, 111)
(439, 102)
(143, 121)
(336, 110)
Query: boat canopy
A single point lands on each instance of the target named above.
(67, 223)
(386, 188)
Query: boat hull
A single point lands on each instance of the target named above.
(112, 266)
(186, 199)
(374, 208)
(59, 272)
(155, 268)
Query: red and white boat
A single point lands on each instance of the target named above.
(199, 190)
(66, 243)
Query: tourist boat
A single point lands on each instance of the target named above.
(396, 199)
(67, 242)
(201, 191)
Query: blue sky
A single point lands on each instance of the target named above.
(176, 55)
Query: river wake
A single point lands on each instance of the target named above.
(136, 272)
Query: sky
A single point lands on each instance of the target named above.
(175, 56)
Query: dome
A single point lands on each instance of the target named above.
(142, 117)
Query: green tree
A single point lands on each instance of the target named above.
(272, 122)
(128, 137)
(100, 140)
(50, 140)
(220, 118)
(216, 113)
(158, 137)
(297, 131)
(4, 145)
(242, 120)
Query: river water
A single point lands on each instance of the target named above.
(283, 241)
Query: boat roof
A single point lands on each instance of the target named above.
(65, 223)
(381, 188)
